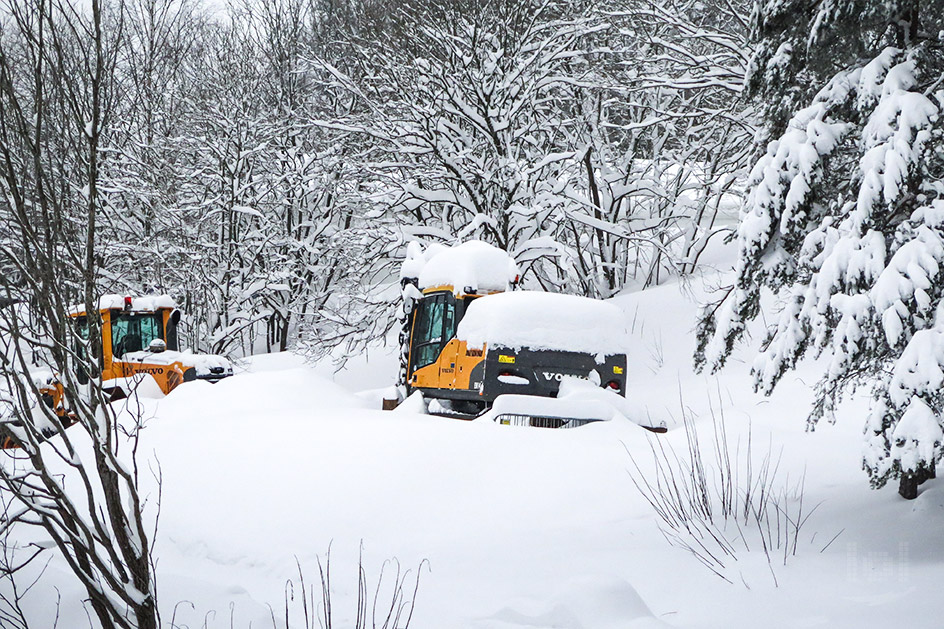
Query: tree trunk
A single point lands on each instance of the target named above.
(908, 487)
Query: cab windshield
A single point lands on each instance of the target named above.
(132, 332)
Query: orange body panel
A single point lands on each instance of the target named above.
(451, 370)
(166, 376)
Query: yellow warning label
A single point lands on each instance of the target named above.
(502, 358)
(617, 370)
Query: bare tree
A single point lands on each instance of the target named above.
(57, 66)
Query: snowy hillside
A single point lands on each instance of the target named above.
(510, 527)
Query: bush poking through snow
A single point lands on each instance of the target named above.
(719, 502)
(386, 608)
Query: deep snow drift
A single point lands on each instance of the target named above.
(521, 527)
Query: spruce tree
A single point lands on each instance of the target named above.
(844, 218)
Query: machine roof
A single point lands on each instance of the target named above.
(474, 265)
(147, 303)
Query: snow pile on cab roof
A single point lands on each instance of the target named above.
(117, 302)
(476, 265)
(545, 321)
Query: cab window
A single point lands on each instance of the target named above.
(449, 319)
(434, 326)
(134, 332)
(82, 330)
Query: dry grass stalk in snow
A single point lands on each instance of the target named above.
(720, 500)
(387, 608)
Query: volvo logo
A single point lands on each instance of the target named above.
(557, 376)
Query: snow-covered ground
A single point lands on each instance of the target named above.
(513, 527)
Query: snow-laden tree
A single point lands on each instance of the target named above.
(148, 239)
(316, 248)
(844, 219)
(540, 128)
(222, 192)
(270, 165)
(470, 118)
(670, 135)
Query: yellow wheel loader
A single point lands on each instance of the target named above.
(139, 345)
(139, 337)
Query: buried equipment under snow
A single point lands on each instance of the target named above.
(473, 345)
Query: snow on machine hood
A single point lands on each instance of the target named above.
(551, 321)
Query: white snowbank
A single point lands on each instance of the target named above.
(522, 528)
(599, 602)
(577, 399)
(260, 394)
(149, 303)
(545, 321)
(142, 385)
(532, 405)
(413, 404)
(474, 264)
(42, 377)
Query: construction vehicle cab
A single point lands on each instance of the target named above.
(471, 339)
(438, 360)
(139, 339)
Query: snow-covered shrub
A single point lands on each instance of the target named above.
(844, 221)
